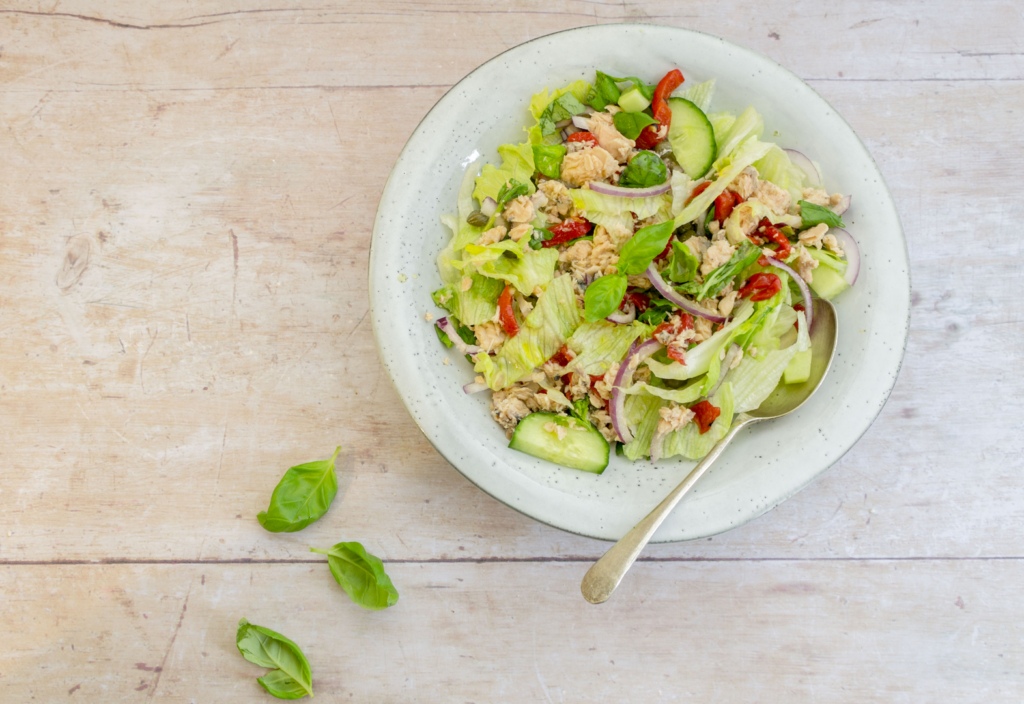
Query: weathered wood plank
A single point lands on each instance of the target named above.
(706, 632)
(228, 45)
(183, 313)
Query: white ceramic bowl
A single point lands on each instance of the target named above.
(768, 463)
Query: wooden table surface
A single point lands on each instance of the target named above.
(186, 195)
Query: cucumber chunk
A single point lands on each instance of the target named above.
(633, 101)
(581, 447)
(828, 283)
(799, 369)
(692, 138)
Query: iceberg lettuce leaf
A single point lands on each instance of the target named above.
(699, 94)
(748, 125)
(532, 269)
(642, 417)
(777, 167)
(687, 394)
(688, 442)
(755, 379)
(599, 344)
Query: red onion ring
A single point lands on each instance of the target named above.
(801, 284)
(843, 205)
(805, 165)
(673, 296)
(617, 408)
(488, 206)
(607, 189)
(453, 335)
(623, 318)
(474, 388)
(852, 252)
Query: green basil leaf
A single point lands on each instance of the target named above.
(683, 266)
(548, 159)
(361, 575)
(511, 190)
(561, 108)
(603, 297)
(641, 249)
(303, 496)
(631, 124)
(812, 215)
(653, 316)
(291, 677)
(645, 169)
(603, 92)
(715, 281)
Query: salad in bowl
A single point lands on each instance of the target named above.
(637, 272)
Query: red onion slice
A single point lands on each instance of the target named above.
(474, 388)
(617, 409)
(843, 205)
(609, 190)
(488, 206)
(852, 252)
(582, 122)
(453, 335)
(623, 318)
(805, 165)
(801, 284)
(675, 298)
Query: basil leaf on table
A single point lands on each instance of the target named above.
(603, 92)
(813, 214)
(641, 249)
(645, 169)
(361, 575)
(548, 159)
(683, 266)
(631, 124)
(561, 108)
(290, 677)
(603, 297)
(303, 495)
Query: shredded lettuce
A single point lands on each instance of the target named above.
(599, 344)
(615, 213)
(749, 152)
(755, 379)
(642, 418)
(532, 269)
(682, 187)
(542, 333)
(687, 394)
(688, 442)
(699, 94)
(828, 259)
(698, 360)
(748, 125)
(721, 123)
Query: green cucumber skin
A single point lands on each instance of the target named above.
(692, 138)
(583, 448)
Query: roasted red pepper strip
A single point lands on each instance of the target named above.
(506, 314)
(648, 137)
(561, 357)
(725, 203)
(639, 300)
(582, 137)
(705, 414)
(761, 287)
(659, 104)
(774, 234)
(567, 230)
(697, 191)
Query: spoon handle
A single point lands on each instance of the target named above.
(604, 575)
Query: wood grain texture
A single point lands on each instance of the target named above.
(186, 198)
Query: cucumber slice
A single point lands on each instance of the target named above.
(582, 446)
(692, 138)
(828, 283)
(799, 369)
(633, 101)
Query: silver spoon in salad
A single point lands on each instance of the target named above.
(604, 575)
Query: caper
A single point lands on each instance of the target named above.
(477, 219)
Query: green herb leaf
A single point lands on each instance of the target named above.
(631, 124)
(812, 215)
(303, 495)
(580, 409)
(291, 677)
(548, 159)
(641, 249)
(361, 575)
(645, 169)
(654, 316)
(444, 297)
(603, 92)
(603, 297)
(512, 189)
(561, 108)
(715, 281)
(683, 266)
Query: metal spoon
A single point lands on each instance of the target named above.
(605, 574)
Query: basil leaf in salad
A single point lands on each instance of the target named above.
(547, 158)
(302, 497)
(361, 575)
(683, 266)
(511, 190)
(645, 169)
(719, 278)
(290, 676)
(658, 311)
(641, 249)
(603, 297)
(561, 108)
(813, 214)
(605, 91)
(631, 124)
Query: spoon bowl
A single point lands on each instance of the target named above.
(604, 575)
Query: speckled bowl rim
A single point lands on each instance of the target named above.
(374, 272)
